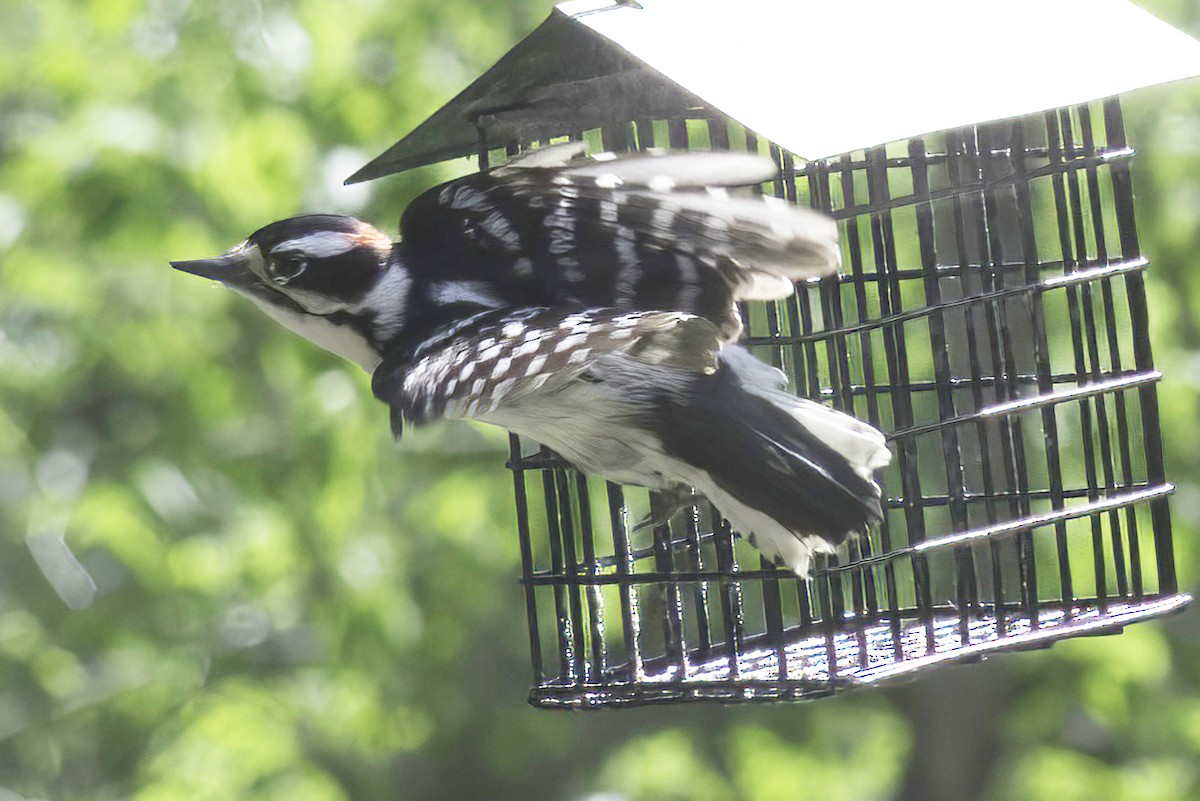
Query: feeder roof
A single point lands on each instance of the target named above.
(818, 78)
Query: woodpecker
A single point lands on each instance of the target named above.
(589, 304)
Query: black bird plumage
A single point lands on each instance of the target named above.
(590, 304)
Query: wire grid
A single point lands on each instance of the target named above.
(991, 318)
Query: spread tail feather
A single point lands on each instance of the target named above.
(793, 476)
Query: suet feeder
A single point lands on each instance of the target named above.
(991, 317)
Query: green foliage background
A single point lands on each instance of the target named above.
(287, 606)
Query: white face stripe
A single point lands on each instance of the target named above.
(319, 245)
(388, 299)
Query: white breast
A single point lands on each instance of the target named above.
(593, 430)
(341, 340)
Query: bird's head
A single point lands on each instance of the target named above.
(330, 278)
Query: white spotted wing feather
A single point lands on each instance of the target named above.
(499, 359)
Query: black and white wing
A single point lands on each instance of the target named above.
(641, 232)
(477, 365)
(655, 399)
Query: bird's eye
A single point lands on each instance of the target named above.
(285, 269)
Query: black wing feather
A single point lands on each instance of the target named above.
(634, 233)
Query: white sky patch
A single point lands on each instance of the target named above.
(335, 391)
(46, 541)
(275, 43)
(58, 564)
(367, 561)
(157, 33)
(154, 36)
(442, 65)
(133, 130)
(12, 221)
(168, 491)
(287, 42)
(335, 167)
(62, 474)
(244, 626)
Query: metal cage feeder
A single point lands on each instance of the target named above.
(1005, 353)
(991, 317)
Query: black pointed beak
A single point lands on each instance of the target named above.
(218, 269)
(232, 269)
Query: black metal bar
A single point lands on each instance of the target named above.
(994, 183)
(989, 279)
(570, 567)
(854, 245)
(1079, 303)
(1051, 267)
(837, 358)
(677, 133)
(830, 618)
(966, 593)
(937, 158)
(527, 564)
(1114, 357)
(700, 589)
(731, 594)
(990, 297)
(986, 499)
(891, 302)
(803, 360)
(625, 559)
(1135, 291)
(1085, 391)
(617, 138)
(568, 655)
(1041, 353)
(718, 133)
(772, 597)
(962, 142)
(591, 567)
(1012, 439)
(1020, 528)
(664, 564)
